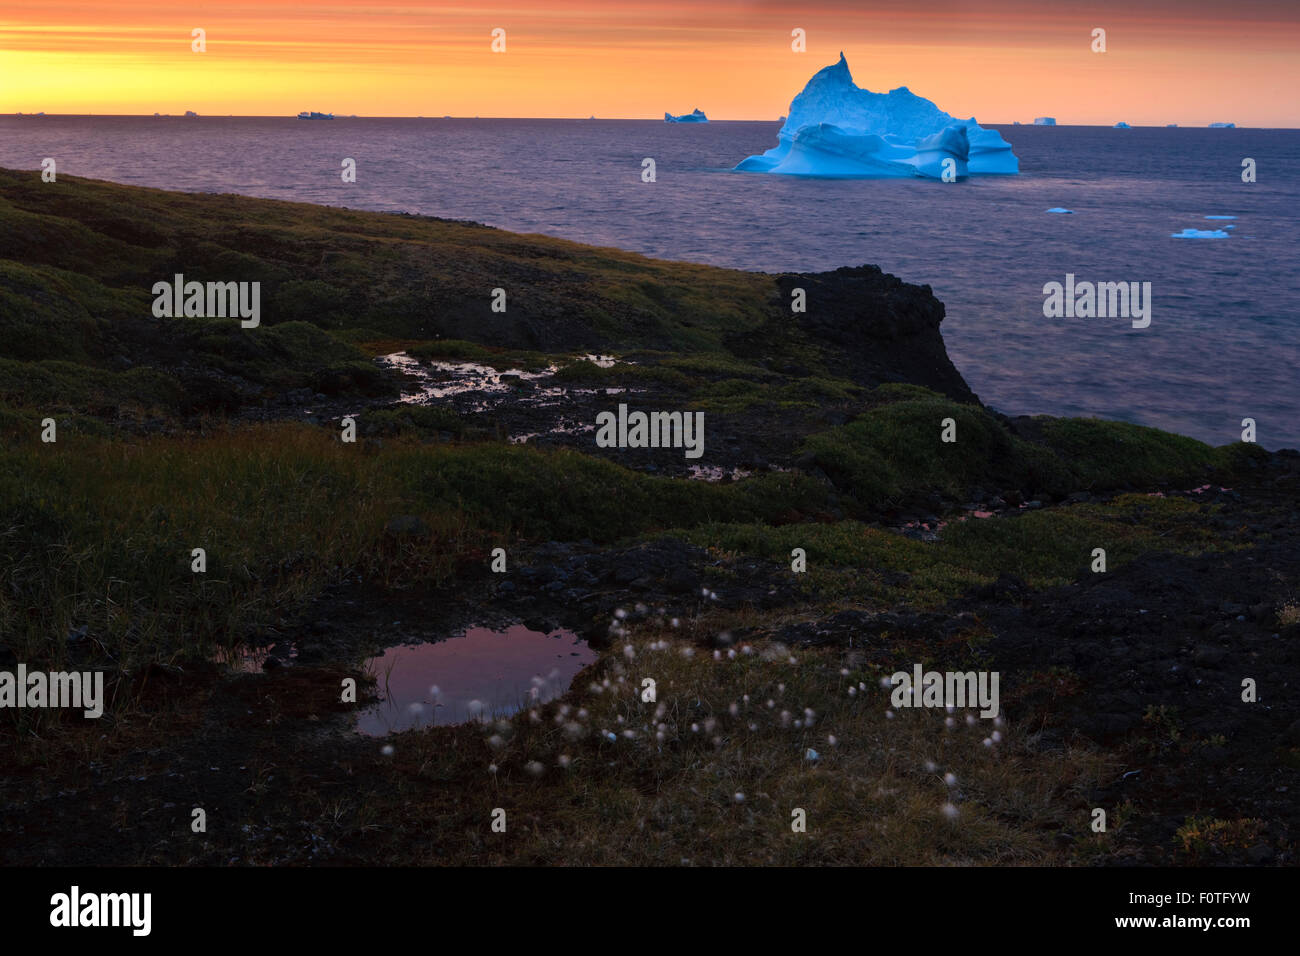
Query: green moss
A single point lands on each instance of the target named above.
(895, 452)
(1106, 454)
(1043, 548)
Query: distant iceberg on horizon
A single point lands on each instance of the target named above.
(836, 128)
(1122, 125)
(1223, 126)
(1045, 121)
(695, 116)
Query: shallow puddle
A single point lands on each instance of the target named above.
(480, 674)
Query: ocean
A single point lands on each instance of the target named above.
(1223, 343)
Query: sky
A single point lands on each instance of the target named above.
(1190, 62)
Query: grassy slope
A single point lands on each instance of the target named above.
(99, 527)
(96, 533)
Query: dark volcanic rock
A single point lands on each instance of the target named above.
(878, 328)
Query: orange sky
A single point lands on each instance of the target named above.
(1190, 62)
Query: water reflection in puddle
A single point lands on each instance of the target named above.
(480, 674)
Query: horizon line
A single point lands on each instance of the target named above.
(585, 119)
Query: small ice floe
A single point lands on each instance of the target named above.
(1062, 209)
(1199, 234)
(1220, 217)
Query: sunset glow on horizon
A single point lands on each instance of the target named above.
(1191, 62)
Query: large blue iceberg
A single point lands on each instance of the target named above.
(695, 116)
(836, 128)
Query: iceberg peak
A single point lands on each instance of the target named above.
(836, 128)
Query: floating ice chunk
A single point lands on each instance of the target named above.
(695, 116)
(1220, 217)
(1045, 121)
(1199, 234)
(1061, 209)
(1223, 126)
(1122, 125)
(836, 128)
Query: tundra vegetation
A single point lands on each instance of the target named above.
(183, 433)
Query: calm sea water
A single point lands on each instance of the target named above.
(1224, 340)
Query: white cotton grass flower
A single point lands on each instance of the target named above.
(386, 750)
(675, 622)
(753, 727)
(770, 703)
(709, 724)
(889, 715)
(620, 614)
(862, 685)
(731, 653)
(853, 692)
(885, 683)
(688, 652)
(563, 761)
(492, 768)
(610, 737)
(535, 768)
(739, 797)
(629, 734)
(798, 725)
(793, 659)
(573, 730)
(582, 713)
(734, 710)
(476, 709)
(997, 736)
(629, 652)
(987, 742)
(780, 688)
(931, 766)
(970, 720)
(831, 741)
(844, 672)
(496, 742)
(717, 655)
(785, 718)
(695, 728)
(950, 811)
(950, 779)
(746, 649)
(434, 691)
(416, 708)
